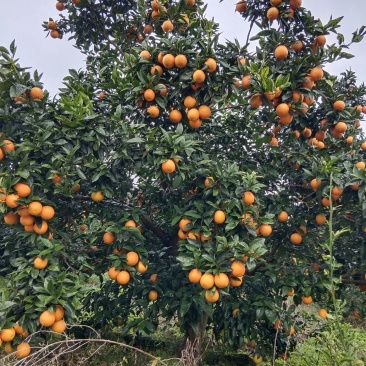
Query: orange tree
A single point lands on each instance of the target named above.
(202, 182)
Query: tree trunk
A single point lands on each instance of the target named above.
(192, 348)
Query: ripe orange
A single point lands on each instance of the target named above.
(27, 220)
(145, 54)
(19, 329)
(142, 268)
(255, 100)
(221, 280)
(180, 61)
(257, 359)
(212, 296)
(189, 102)
(212, 65)
(363, 146)
(152, 295)
(248, 198)
(323, 313)
(193, 114)
(349, 140)
(236, 281)
(296, 238)
(40, 229)
(237, 269)
(108, 238)
(265, 229)
(204, 112)
(163, 90)
(102, 95)
(113, 273)
(11, 200)
(315, 184)
(154, 278)
(273, 13)
(7, 334)
(97, 196)
(291, 292)
(194, 275)
(23, 350)
(75, 187)
(40, 263)
(167, 26)
(245, 82)
(153, 111)
(283, 216)
(8, 146)
(316, 73)
(207, 281)
(59, 313)
(325, 202)
(291, 331)
(340, 127)
(132, 258)
(22, 189)
(56, 179)
(190, 3)
(219, 217)
(54, 34)
(295, 4)
(148, 29)
(320, 40)
(47, 318)
(47, 212)
(195, 124)
(281, 52)
(168, 166)
(149, 95)
(360, 165)
(59, 326)
(209, 182)
(11, 218)
(36, 93)
(169, 61)
(241, 6)
(320, 219)
(29, 228)
(183, 223)
(282, 109)
(52, 25)
(297, 46)
(306, 299)
(199, 76)
(339, 105)
(302, 230)
(175, 116)
(60, 6)
(123, 278)
(156, 69)
(308, 82)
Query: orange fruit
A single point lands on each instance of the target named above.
(308, 82)
(47, 212)
(363, 146)
(168, 166)
(320, 219)
(152, 295)
(35, 208)
(360, 165)
(47, 318)
(283, 216)
(182, 235)
(340, 127)
(291, 331)
(51, 25)
(209, 182)
(194, 275)
(8, 146)
(320, 40)
(274, 141)
(60, 6)
(59, 326)
(219, 217)
(183, 223)
(273, 13)
(199, 76)
(22, 189)
(204, 112)
(245, 82)
(291, 292)
(221, 280)
(132, 258)
(54, 34)
(3, 193)
(248, 198)
(145, 54)
(148, 29)
(212, 296)
(306, 299)
(29, 228)
(40, 229)
(167, 26)
(156, 69)
(282, 109)
(149, 95)
(190, 2)
(323, 313)
(207, 281)
(102, 95)
(11, 200)
(113, 273)
(265, 229)
(236, 281)
(27, 220)
(339, 105)
(23, 350)
(180, 61)
(175, 116)
(11, 218)
(59, 313)
(195, 124)
(315, 184)
(7, 334)
(56, 179)
(40, 263)
(296, 238)
(97, 196)
(212, 65)
(19, 329)
(108, 238)
(189, 102)
(325, 202)
(316, 73)
(75, 187)
(241, 6)
(123, 278)
(349, 140)
(153, 111)
(281, 52)
(257, 359)
(142, 268)
(169, 61)
(163, 90)
(297, 46)
(36, 93)
(193, 114)
(302, 230)
(154, 278)
(237, 269)
(295, 4)
(255, 100)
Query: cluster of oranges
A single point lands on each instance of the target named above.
(33, 217)
(55, 320)
(7, 336)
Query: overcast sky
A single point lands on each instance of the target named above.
(21, 20)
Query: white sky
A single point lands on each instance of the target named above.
(21, 20)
